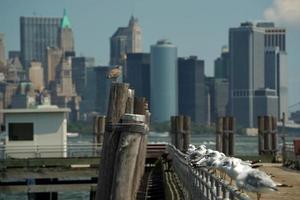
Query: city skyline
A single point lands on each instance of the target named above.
(192, 27)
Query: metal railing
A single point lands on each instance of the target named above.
(199, 183)
(39, 151)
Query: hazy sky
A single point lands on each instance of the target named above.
(197, 27)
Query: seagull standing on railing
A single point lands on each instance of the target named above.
(255, 181)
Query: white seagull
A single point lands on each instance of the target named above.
(255, 181)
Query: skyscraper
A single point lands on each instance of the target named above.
(2, 49)
(38, 33)
(258, 75)
(192, 99)
(36, 75)
(79, 72)
(66, 39)
(246, 44)
(219, 91)
(276, 67)
(138, 73)
(222, 64)
(125, 40)
(54, 59)
(163, 73)
(96, 94)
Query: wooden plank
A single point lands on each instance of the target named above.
(35, 173)
(43, 162)
(47, 188)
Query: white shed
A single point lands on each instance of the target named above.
(35, 132)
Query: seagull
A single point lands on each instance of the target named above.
(114, 73)
(197, 154)
(209, 158)
(255, 181)
(234, 166)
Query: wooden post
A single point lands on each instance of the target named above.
(141, 108)
(173, 131)
(225, 135)
(179, 130)
(140, 105)
(95, 128)
(231, 136)
(274, 134)
(219, 134)
(186, 133)
(100, 129)
(267, 130)
(260, 134)
(116, 109)
(126, 158)
(130, 102)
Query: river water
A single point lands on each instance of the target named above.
(244, 145)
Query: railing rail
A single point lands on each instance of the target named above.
(38, 151)
(199, 183)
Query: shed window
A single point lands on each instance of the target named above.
(20, 131)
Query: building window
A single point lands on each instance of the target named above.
(20, 131)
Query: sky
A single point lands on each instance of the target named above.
(196, 27)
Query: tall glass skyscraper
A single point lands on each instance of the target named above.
(163, 81)
(258, 72)
(38, 33)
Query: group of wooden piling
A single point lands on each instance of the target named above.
(181, 132)
(124, 144)
(225, 138)
(267, 135)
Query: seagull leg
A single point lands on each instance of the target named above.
(230, 183)
(258, 196)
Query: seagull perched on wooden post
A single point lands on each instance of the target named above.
(114, 73)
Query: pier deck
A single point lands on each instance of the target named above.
(285, 176)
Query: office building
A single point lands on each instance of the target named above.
(54, 59)
(219, 97)
(125, 40)
(138, 73)
(258, 63)
(66, 39)
(163, 81)
(14, 54)
(36, 75)
(192, 99)
(79, 76)
(222, 64)
(96, 94)
(38, 33)
(246, 44)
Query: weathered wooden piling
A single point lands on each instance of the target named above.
(125, 169)
(180, 132)
(267, 135)
(219, 133)
(231, 138)
(141, 108)
(116, 109)
(225, 138)
(99, 129)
